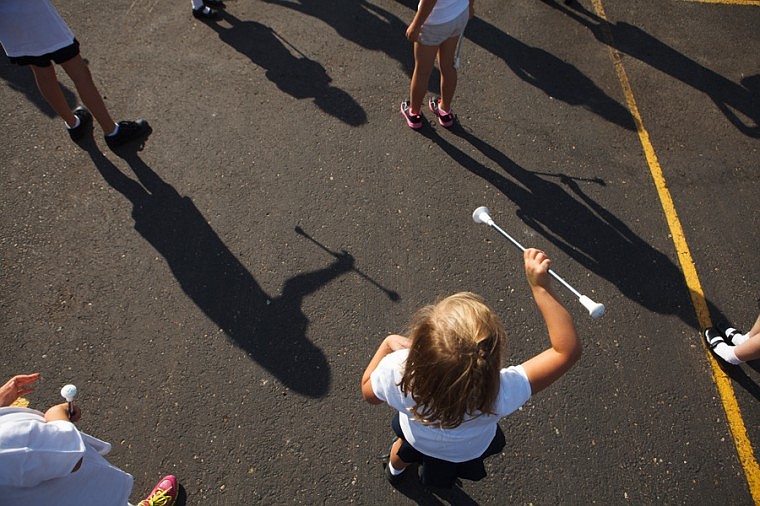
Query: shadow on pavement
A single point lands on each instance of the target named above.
(411, 487)
(298, 76)
(272, 330)
(362, 23)
(21, 80)
(391, 294)
(728, 96)
(741, 378)
(555, 77)
(590, 234)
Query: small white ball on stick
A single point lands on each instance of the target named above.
(68, 392)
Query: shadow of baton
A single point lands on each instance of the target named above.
(394, 296)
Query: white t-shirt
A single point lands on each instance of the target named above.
(32, 28)
(465, 442)
(446, 10)
(37, 457)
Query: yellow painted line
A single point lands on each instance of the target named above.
(726, 2)
(723, 383)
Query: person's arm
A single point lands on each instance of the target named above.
(390, 344)
(548, 366)
(423, 11)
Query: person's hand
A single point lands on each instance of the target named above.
(413, 32)
(16, 387)
(76, 414)
(396, 342)
(537, 268)
(61, 412)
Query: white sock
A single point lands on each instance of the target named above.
(394, 471)
(735, 337)
(115, 130)
(76, 125)
(726, 352)
(197, 4)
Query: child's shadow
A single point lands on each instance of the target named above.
(590, 234)
(298, 76)
(730, 98)
(272, 330)
(411, 487)
(363, 23)
(557, 78)
(21, 80)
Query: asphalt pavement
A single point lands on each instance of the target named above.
(216, 292)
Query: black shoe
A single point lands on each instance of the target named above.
(728, 331)
(712, 338)
(85, 120)
(128, 130)
(393, 479)
(205, 13)
(214, 3)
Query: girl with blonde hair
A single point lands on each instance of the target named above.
(448, 383)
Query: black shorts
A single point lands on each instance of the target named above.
(442, 473)
(45, 60)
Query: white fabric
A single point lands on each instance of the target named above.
(32, 28)
(37, 459)
(472, 437)
(445, 10)
(197, 4)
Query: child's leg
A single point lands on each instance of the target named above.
(80, 74)
(755, 328)
(395, 461)
(749, 349)
(47, 83)
(446, 54)
(424, 58)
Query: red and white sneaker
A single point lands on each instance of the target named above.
(164, 494)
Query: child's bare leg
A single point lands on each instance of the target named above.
(47, 83)
(396, 461)
(755, 328)
(750, 348)
(446, 54)
(424, 58)
(80, 74)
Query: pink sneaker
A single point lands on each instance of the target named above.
(445, 120)
(413, 120)
(164, 494)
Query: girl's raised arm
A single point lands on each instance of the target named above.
(547, 367)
